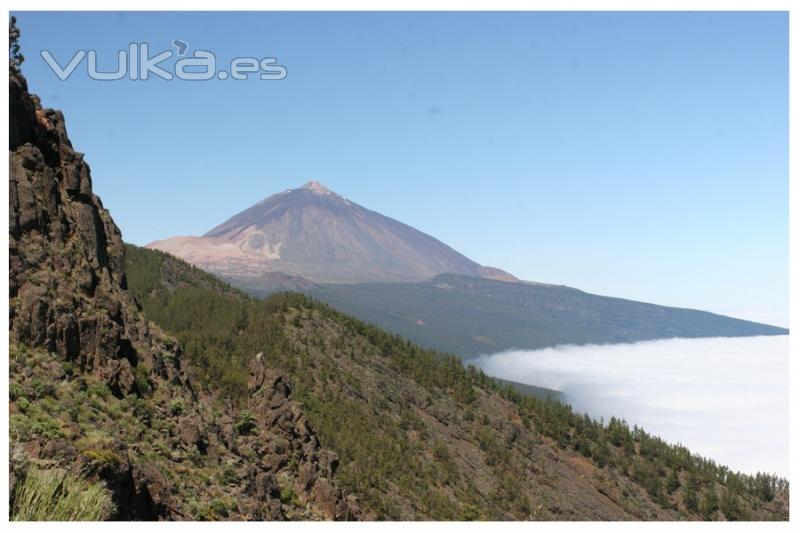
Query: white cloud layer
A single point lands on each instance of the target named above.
(725, 398)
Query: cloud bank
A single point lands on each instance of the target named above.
(725, 398)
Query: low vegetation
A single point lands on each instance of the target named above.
(75, 433)
(57, 495)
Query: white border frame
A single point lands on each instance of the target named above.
(437, 5)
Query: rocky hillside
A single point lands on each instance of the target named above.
(314, 233)
(102, 401)
(419, 436)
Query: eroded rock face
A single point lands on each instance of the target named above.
(68, 297)
(293, 439)
(66, 280)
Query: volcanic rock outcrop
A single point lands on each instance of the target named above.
(73, 323)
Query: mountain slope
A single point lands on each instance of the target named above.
(314, 233)
(103, 407)
(472, 316)
(314, 241)
(422, 437)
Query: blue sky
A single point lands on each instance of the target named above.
(641, 155)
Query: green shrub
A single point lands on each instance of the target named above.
(176, 407)
(140, 408)
(673, 482)
(200, 512)
(18, 427)
(710, 504)
(441, 453)
(731, 507)
(288, 496)
(23, 405)
(98, 390)
(34, 423)
(229, 475)
(470, 513)
(142, 374)
(15, 391)
(42, 388)
(103, 456)
(219, 508)
(56, 495)
(68, 367)
(690, 496)
(246, 423)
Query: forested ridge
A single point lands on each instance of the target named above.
(378, 400)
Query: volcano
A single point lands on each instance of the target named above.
(313, 233)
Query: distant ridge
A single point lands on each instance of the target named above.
(471, 316)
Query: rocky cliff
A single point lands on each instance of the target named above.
(98, 391)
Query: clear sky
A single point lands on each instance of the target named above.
(640, 155)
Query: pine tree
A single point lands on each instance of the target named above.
(730, 506)
(690, 496)
(710, 504)
(15, 58)
(673, 482)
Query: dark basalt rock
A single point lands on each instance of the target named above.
(66, 277)
(68, 297)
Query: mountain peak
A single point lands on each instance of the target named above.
(314, 233)
(317, 188)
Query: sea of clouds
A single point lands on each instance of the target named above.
(725, 398)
